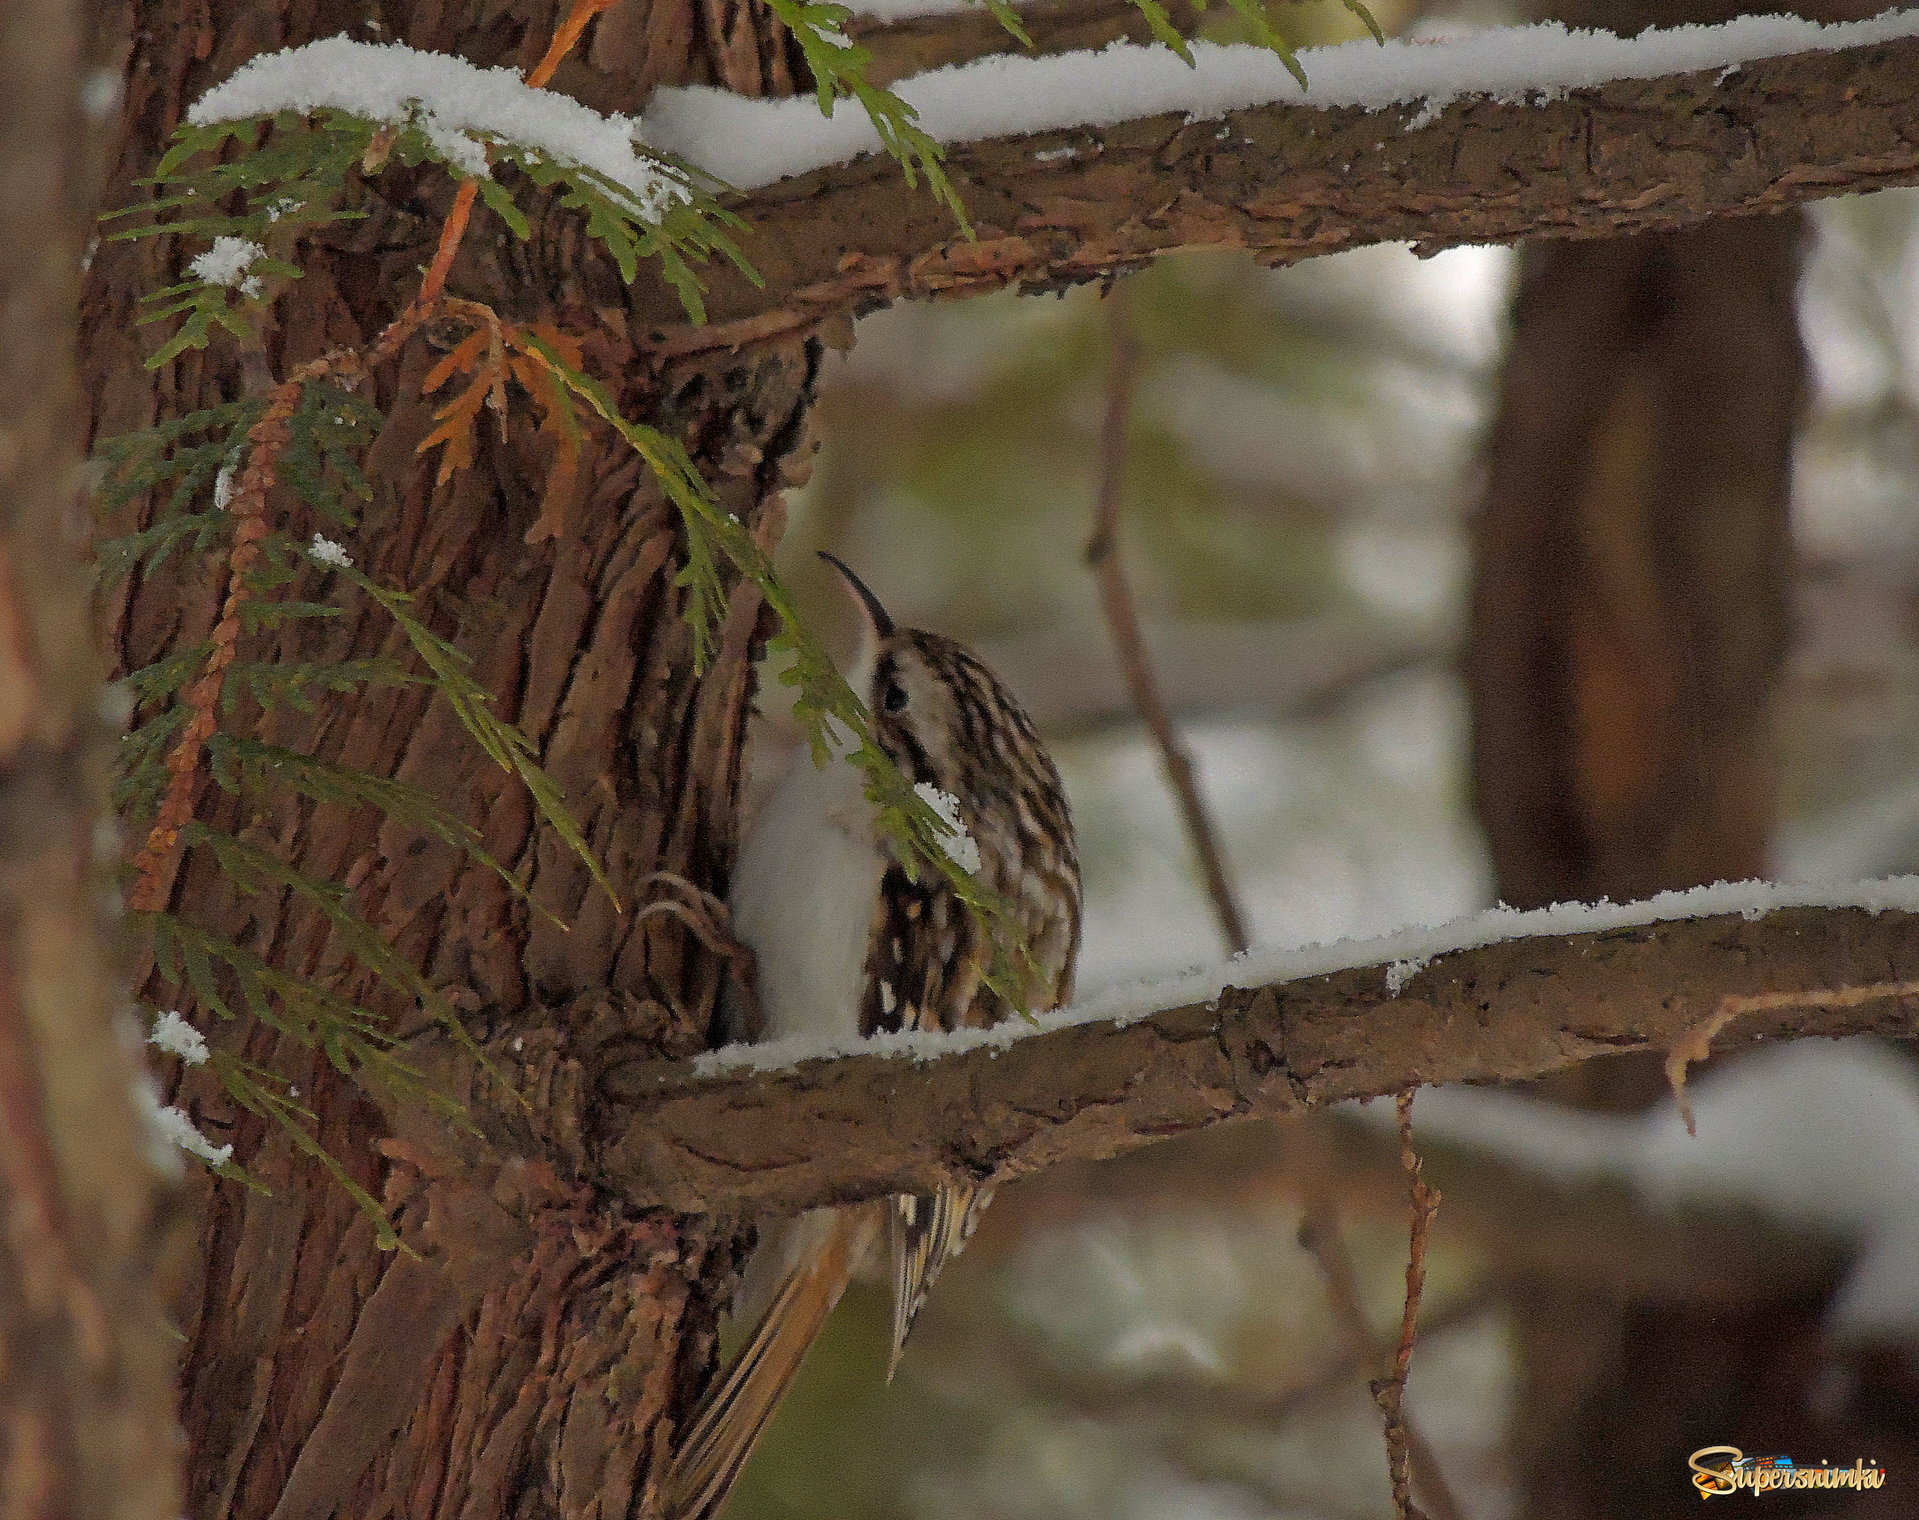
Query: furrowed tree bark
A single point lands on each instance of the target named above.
(86, 1397)
(534, 1359)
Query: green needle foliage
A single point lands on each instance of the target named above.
(270, 181)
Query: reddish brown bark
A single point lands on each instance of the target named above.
(1629, 617)
(321, 1376)
(86, 1399)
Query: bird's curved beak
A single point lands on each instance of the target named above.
(882, 624)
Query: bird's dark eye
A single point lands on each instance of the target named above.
(894, 699)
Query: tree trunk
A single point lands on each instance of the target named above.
(1633, 549)
(86, 1399)
(323, 1376)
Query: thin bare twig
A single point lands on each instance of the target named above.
(1122, 621)
(1389, 1392)
(1319, 1236)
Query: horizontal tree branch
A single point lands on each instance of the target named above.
(1289, 182)
(835, 1131)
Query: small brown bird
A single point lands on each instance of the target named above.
(847, 943)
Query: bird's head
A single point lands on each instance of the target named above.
(936, 709)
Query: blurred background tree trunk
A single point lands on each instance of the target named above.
(86, 1397)
(320, 1374)
(1629, 624)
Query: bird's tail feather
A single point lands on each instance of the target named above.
(926, 1230)
(736, 1411)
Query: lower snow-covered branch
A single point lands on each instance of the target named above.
(856, 1126)
(1057, 205)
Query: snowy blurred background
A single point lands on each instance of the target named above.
(1146, 1339)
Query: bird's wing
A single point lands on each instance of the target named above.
(735, 1412)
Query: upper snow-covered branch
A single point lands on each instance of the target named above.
(749, 143)
(1082, 165)
(1516, 996)
(1547, 134)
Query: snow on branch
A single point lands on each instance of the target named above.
(1499, 136)
(1516, 996)
(459, 106)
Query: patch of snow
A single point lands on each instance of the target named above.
(1825, 1134)
(324, 551)
(1399, 973)
(178, 1037)
(752, 142)
(117, 704)
(162, 1154)
(1161, 1345)
(181, 1130)
(455, 103)
(960, 846)
(227, 262)
(100, 93)
(1127, 1003)
(170, 1130)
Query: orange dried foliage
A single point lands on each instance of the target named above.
(494, 352)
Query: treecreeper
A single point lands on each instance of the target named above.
(850, 941)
